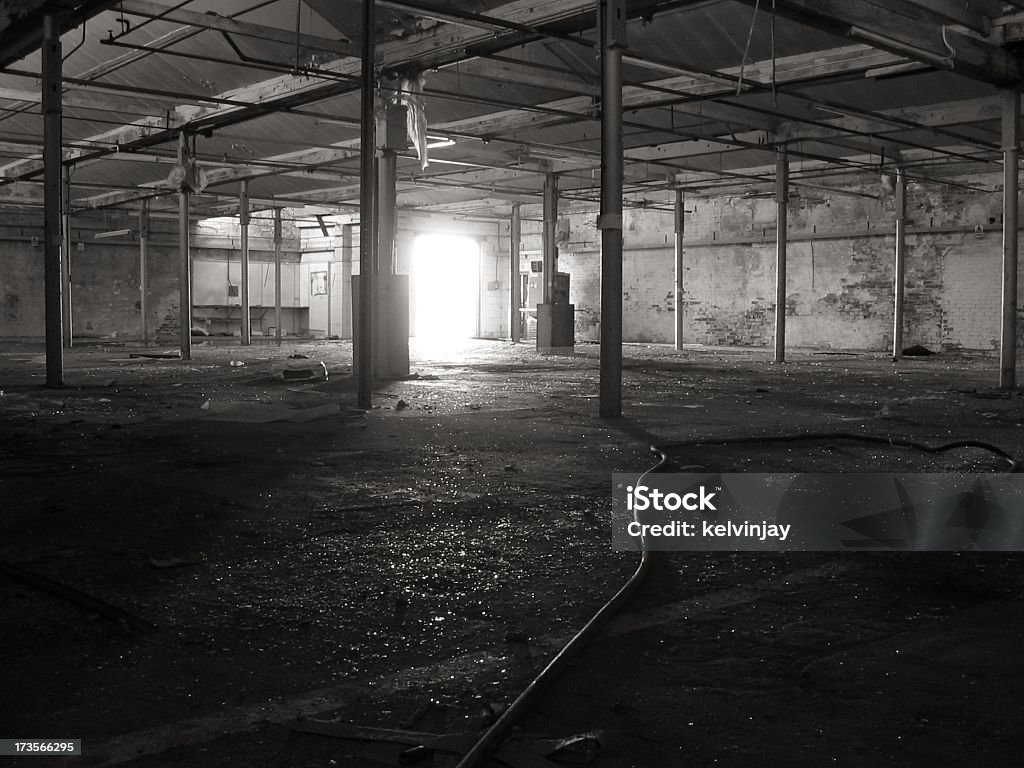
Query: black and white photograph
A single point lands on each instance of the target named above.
(511, 384)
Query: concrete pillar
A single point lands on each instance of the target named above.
(277, 276)
(144, 268)
(901, 264)
(782, 225)
(1011, 156)
(185, 262)
(613, 40)
(679, 231)
(52, 106)
(243, 221)
(514, 282)
(363, 362)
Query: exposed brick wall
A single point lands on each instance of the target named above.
(971, 302)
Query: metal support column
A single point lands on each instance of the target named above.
(52, 105)
(367, 229)
(277, 276)
(387, 196)
(143, 269)
(899, 279)
(185, 261)
(613, 40)
(243, 221)
(514, 282)
(330, 296)
(1011, 156)
(782, 225)
(346, 281)
(679, 227)
(65, 257)
(550, 253)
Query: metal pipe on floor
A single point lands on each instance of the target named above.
(277, 276)
(899, 279)
(65, 260)
(52, 136)
(1011, 157)
(243, 220)
(367, 228)
(782, 225)
(613, 40)
(680, 231)
(143, 268)
(185, 261)
(514, 282)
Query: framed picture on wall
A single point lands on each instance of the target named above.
(318, 283)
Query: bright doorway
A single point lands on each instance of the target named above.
(445, 288)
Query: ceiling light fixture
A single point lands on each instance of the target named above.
(112, 233)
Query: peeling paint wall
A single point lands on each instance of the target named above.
(840, 269)
(839, 286)
(105, 296)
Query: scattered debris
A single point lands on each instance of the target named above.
(300, 367)
(236, 363)
(888, 409)
(581, 748)
(534, 752)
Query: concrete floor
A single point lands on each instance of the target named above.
(282, 557)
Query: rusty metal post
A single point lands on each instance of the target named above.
(1011, 157)
(52, 106)
(899, 280)
(781, 203)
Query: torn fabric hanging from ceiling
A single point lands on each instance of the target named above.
(189, 176)
(410, 93)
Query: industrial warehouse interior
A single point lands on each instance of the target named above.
(328, 327)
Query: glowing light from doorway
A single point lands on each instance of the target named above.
(446, 289)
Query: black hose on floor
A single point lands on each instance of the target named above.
(499, 731)
(895, 442)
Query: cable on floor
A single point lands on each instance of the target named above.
(1013, 465)
(499, 731)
